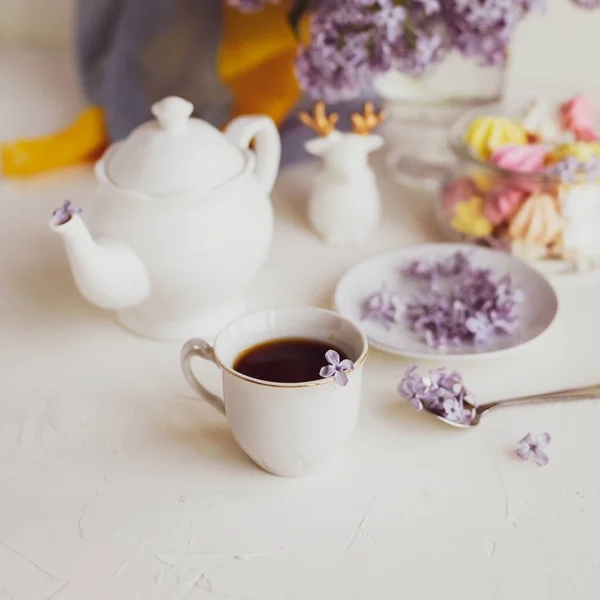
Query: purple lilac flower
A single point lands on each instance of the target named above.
(382, 306)
(569, 168)
(529, 448)
(353, 41)
(417, 269)
(64, 213)
(442, 393)
(483, 29)
(250, 5)
(336, 368)
(412, 388)
(460, 303)
(589, 4)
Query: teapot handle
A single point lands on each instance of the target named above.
(243, 130)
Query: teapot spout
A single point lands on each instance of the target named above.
(107, 273)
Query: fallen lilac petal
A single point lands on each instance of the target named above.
(332, 357)
(540, 457)
(382, 306)
(341, 378)
(542, 440)
(347, 365)
(328, 371)
(523, 452)
(415, 403)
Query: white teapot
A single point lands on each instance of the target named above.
(180, 224)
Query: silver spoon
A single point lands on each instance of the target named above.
(591, 392)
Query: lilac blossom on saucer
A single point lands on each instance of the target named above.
(64, 213)
(382, 306)
(442, 393)
(530, 448)
(460, 303)
(336, 368)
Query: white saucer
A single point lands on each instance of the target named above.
(536, 313)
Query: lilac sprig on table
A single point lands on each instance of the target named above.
(531, 448)
(338, 369)
(460, 303)
(442, 392)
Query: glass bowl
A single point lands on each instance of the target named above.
(538, 217)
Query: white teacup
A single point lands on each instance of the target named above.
(288, 429)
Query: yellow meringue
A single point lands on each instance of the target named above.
(484, 179)
(485, 134)
(582, 151)
(470, 219)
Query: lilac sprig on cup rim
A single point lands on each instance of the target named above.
(336, 368)
(64, 213)
(460, 303)
(442, 392)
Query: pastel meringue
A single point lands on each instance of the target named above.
(469, 218)
(485, 134)
(580, 207)
(536, 226)
(524, 158)
(456, 191)
(587, 135)
(484, 179)
(503, 203)
(541, 120)
(578, 114)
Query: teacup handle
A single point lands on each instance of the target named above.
(202, 349)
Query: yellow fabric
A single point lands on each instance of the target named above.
(255, 60)
(84, 139)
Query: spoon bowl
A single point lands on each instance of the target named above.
(591, 392)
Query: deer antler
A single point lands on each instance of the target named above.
(320, 122)
(363, 123)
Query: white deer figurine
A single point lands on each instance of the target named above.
(345, 204)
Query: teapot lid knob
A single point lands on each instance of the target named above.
(172, 113)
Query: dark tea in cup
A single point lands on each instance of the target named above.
(286, 360)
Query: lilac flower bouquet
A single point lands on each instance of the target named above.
(354, 41)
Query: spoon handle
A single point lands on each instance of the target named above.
(591, 392)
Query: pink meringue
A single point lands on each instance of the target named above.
(578, 114)
(587, 135)
(526, 159)
(457, 191)
(503, 203)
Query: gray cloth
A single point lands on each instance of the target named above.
(131, 53)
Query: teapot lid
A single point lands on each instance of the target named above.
(174, 153)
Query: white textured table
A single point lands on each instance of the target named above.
(115, 483)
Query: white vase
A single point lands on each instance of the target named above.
(421, 110)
